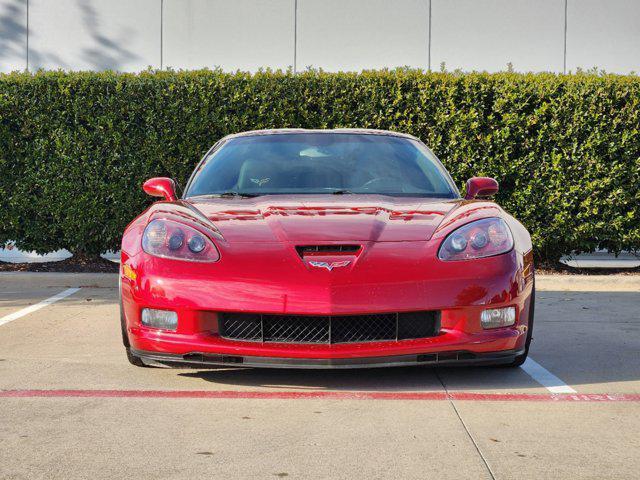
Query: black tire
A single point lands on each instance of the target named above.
(133, 360)
(520, 359)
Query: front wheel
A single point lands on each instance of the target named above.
(133, 360)
(520, 359)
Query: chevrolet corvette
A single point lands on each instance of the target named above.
(343, 248)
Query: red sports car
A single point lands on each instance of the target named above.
(325, 249)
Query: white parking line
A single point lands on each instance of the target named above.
(545, 378)
(32, 308)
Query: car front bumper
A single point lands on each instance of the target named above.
(459, 294)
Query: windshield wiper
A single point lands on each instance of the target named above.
(341, 192)
(236, 195)
(226, 195)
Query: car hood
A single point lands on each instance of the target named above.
(324, 218)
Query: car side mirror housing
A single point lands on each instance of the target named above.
(481, 187)
(161, 187)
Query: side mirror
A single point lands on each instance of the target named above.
(481, 187)
(161, 187)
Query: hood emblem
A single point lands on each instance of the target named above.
(329, 266)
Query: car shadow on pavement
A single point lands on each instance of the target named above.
(391, 379)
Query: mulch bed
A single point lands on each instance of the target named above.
(73, 264)
(562, 269)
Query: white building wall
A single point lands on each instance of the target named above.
(94, 34)
(604, 34)
(362, 34)
(489, 34)
(231, 34)
(131, 35)
(13, 35)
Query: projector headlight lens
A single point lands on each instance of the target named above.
(479, 240)
(176, 240)
(197, 243)
(458, 243)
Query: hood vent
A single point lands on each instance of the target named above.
(327, 249)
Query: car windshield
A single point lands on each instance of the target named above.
(312, 163)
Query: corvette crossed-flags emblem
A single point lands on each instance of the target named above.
(329, 266)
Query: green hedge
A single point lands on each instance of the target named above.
(75, 147)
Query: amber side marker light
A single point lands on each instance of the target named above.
(129, 272)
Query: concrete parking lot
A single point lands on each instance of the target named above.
(72, 407)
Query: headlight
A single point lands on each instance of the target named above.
(482, 238)
(169, 239)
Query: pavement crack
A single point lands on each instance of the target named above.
(464, 425)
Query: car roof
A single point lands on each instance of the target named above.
(280, 131)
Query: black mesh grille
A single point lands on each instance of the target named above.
(328, 329)
(417, 325)
(241, 325)
(363, 328)
(295, 329)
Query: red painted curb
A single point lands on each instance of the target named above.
(292, 395)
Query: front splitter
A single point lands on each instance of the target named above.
(207, 360)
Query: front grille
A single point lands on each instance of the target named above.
(328, 329)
